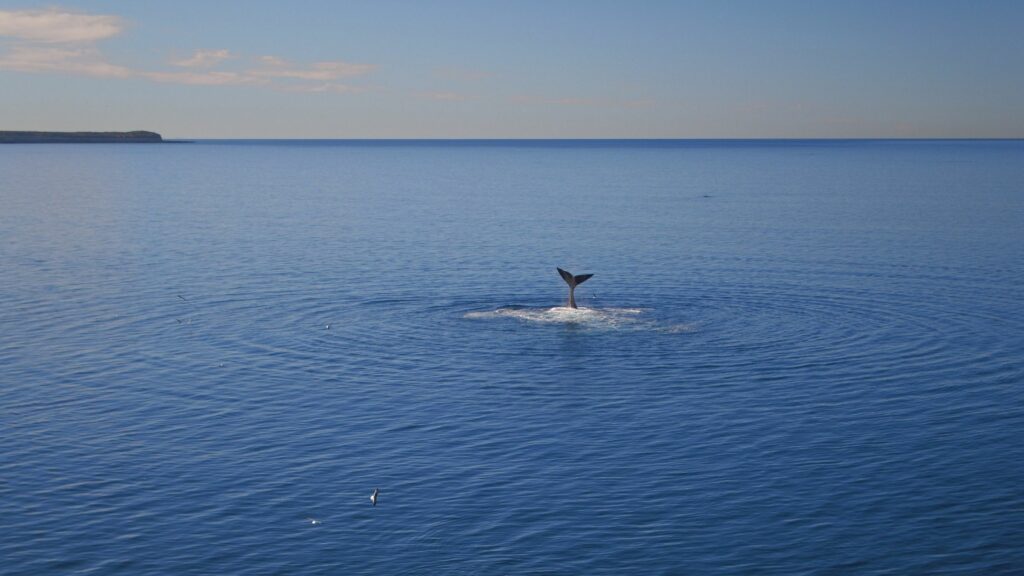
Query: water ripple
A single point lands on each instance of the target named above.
(192, 363)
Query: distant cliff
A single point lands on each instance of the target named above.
(136, 137)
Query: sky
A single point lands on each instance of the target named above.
(516, 69)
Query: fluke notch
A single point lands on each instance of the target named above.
(573, 282)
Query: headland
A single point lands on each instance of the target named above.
(135, 137)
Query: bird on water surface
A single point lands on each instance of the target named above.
(373, 497)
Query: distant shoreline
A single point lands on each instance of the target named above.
(146, 137)
(30, 137)
(667, 141)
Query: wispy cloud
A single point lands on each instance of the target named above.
(274, 67)
(60, 41)
(55, 25)
(84, 61)
(204, 78)
(272, 71)
(203, 59)
(273, 61)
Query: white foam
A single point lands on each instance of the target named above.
(597, 317)
(678, 328)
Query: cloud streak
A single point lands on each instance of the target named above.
(205, 78)
(203, 59)
(63, 42)
(82, 61)
(275, 67)
(57, 26)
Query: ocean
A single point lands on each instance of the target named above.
(794, 357)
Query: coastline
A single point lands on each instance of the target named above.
(33, 137)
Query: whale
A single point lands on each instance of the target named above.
(573, 282)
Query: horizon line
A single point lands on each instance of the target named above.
(603, 139)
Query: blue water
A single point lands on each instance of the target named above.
(793, 358)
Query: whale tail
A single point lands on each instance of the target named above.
(573, 282)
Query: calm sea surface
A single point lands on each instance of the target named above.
(793, 358)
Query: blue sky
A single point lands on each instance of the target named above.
(517, 69)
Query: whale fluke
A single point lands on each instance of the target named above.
(573, 282)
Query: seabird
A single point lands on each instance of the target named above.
(373, 497)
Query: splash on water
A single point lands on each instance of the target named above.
(678, 328)
(599, 318)
(565, 315)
